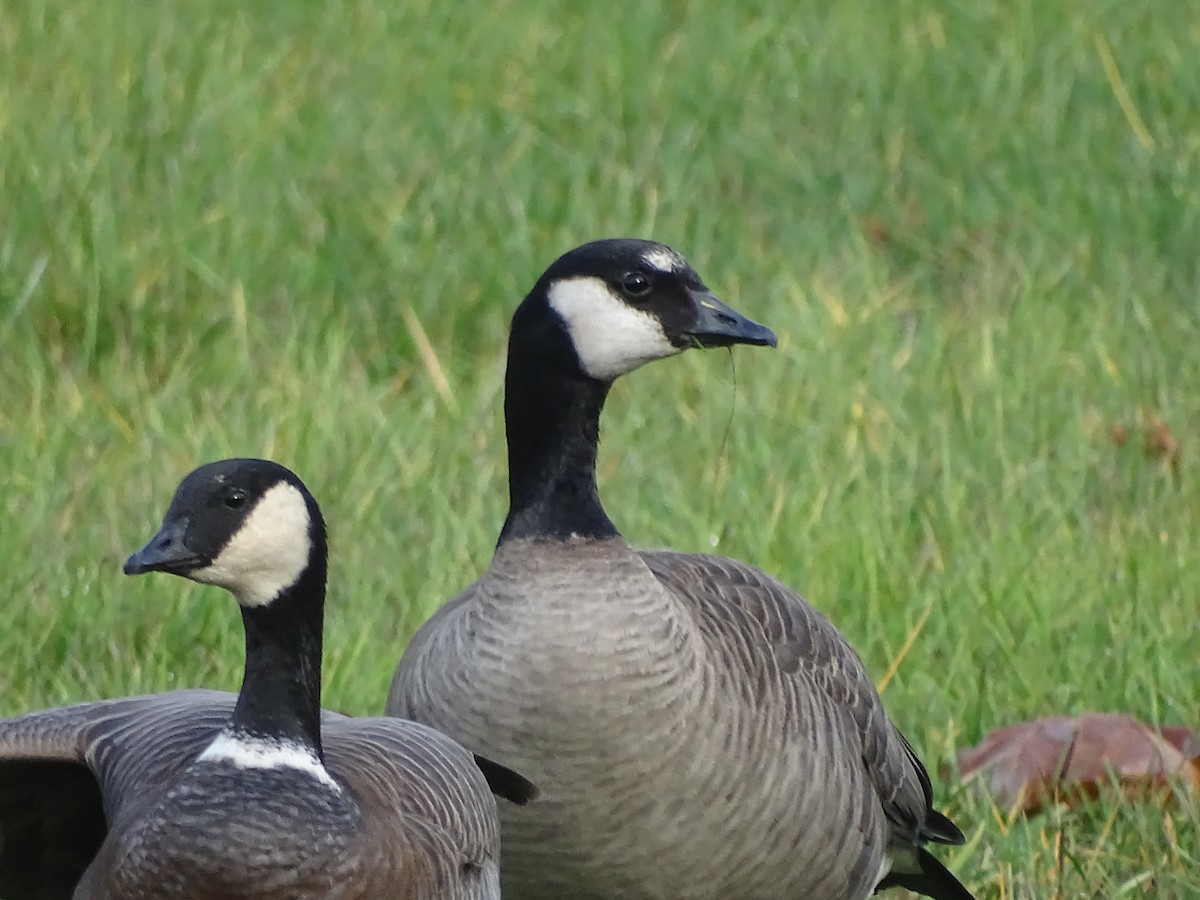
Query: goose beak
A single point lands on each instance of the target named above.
(165, 553)
(716, 324)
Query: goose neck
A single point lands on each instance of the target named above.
(552, 425)
(280, 697)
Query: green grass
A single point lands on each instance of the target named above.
(974, 228)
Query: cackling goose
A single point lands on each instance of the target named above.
(200, 795)
(697, 729)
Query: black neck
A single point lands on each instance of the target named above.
(281, 690)
(552, 421)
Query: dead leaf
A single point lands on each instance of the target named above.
(1162, 444)
(1064, 759)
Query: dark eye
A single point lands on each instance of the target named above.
(635, 284)
(235, 499)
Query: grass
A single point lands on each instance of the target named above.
(299, 233)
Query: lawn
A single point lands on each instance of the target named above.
(299, 232)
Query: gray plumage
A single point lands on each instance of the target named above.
(696, 728)
(112, 788)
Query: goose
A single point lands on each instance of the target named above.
(201, 795)
(697, 730)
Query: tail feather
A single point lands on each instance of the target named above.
(941, 830)
(506, 783)
(934, 880)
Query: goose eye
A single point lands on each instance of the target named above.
(635, 284)
(235, 499)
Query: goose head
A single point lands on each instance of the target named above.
(246, 525)
(610, 306)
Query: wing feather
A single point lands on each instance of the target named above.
(810, 651)
(397, 765)
(67, 773)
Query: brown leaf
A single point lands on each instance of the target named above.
(1161, 443)
(1120, 434)
(1068, 759)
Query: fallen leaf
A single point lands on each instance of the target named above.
(1064, 759)
(1162, 444)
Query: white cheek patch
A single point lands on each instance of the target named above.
(667, 261)
(611, 337)
(268, 553)
(246, 752)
